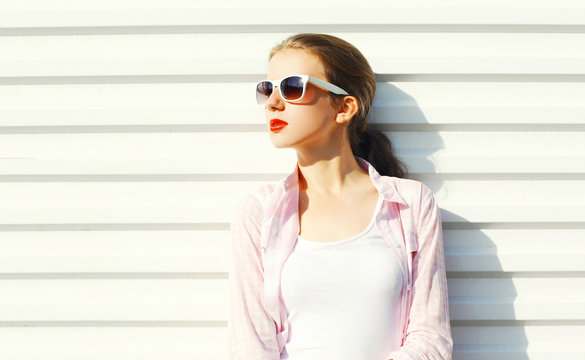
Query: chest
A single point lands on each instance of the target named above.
(328, 219)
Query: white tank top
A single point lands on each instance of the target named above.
(343, 298)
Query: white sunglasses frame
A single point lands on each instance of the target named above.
(306, 79)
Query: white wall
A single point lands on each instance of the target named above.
(128, 130)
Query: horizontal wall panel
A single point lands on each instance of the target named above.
(208, 342)
(188, 152)
(114, 300)
(199, 251)
(206, 299)
(468, 263)
(516, 299)
(137, 341)
(558, 289)
(514, 250)
(397, 102)
(198, 54)
(121, 252)
(540, 342)
(189, 202)
(481, 309)
(177, 13)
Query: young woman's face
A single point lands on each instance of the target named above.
(311, 121)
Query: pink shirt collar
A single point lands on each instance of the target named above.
(284, 200)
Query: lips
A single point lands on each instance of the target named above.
(277, 124)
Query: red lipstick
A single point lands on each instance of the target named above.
(277, 124)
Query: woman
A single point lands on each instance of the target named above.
(343, 258)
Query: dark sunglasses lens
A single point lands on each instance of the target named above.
(263, 91)
(292, 87)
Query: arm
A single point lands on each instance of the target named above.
(251, 330)
(428, 334)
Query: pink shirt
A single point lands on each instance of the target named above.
(265, 227)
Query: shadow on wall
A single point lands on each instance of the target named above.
(400, 117)
(481, 294)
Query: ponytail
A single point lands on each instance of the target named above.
(376, 148)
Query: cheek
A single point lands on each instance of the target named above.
(313, 123)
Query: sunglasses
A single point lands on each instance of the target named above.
(292, 88)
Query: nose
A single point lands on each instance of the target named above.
(274, 101)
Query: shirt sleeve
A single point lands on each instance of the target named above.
(428, 334)
(251, 331)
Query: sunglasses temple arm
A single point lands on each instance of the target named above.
(329, 86)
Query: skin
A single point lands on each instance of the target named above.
(336, 196)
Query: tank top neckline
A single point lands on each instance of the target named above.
(348, 239)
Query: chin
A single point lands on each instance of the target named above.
(279, 145)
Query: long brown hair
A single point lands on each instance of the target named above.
(346, 67)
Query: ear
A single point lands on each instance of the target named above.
(347, 109)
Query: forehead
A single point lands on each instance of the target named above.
(295, 61)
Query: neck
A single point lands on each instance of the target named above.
(329, 176)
